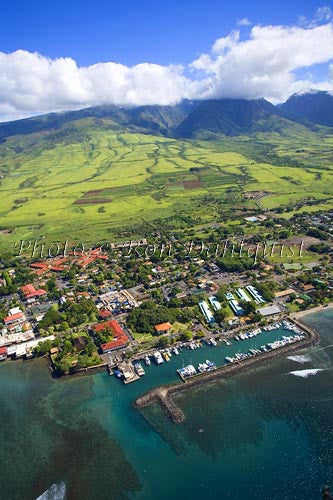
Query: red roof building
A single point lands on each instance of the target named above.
(120, 338)
(163, 327)
(104, 313)
(14, 318)
(29, 291)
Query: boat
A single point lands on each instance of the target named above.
(139, 369)
(166, 356)
(147, 360)
(158, 358)
(187, 371)
(213, 342)
(202, 368)
(118, 373)
(211, 365)
(175, 351)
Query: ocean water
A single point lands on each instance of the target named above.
(264, 434)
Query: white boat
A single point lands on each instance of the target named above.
(158, 358)
(139, 369)
(213, 342)
(147, 360)
(187, 371)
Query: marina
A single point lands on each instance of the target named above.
(194, 359)
(302, 336)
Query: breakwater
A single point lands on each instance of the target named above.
(164, 395)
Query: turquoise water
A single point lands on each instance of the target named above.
(263, 434)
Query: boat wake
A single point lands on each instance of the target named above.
(306, 373)
(55, 492)
(303, 358)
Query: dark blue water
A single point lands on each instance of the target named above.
(263, 434)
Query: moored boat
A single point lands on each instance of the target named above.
(158, 358)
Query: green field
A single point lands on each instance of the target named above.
(89, 184)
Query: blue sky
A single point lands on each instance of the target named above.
(62, 55)
(130, 32)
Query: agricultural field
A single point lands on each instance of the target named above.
(87, 187)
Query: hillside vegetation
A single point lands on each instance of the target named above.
(92, 178)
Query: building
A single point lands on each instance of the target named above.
(255, 294)
(163, 328)
(120, 339)
(242, 295)
(14, 319)
(236, 307)
(308, 288)
(204, 308)
(30, 292)
(285, 293)
(269, 310)
(3, 353)
(104, 313)
(215, 303)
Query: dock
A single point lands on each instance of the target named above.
(129, 374)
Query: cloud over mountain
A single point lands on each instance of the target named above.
(264, 63)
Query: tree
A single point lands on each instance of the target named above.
(220, 315)
(248, 307)
(186, 336)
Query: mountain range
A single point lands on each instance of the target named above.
(191, 119)
(315, 106)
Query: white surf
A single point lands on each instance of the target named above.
(302, 358)
(55, 492)
(306, 373)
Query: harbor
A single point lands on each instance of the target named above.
(301, 336)
(199, 357)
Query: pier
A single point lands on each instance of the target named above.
(163, 395)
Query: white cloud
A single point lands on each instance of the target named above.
(227, 42)
(244, 22)
(262, 65)
(31, 83)
(324, 14)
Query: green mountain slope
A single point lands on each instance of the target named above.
(234, 117)
(315, 106)
(157, 119)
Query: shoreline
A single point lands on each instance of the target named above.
(313, 310)
(163, 395)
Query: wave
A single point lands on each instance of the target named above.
(55, 492)
(303, 358)
(306, 373)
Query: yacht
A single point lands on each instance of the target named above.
(139, 369)
(158, 358)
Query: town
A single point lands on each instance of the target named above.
(120, 310)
